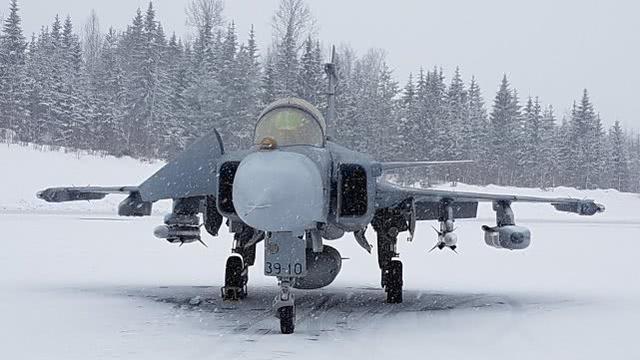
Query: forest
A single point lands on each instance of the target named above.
(146, 93)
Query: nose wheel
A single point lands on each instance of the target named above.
(285, 307)
(287, 317)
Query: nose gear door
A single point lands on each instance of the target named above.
(285, 255)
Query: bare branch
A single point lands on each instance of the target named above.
(205, 13)
(92, 38)
(294, 19)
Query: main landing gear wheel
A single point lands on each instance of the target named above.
(287, 315)
(392, 279)
(235, 280)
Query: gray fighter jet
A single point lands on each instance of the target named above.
(295, 190)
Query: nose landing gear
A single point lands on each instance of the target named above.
(285, 307)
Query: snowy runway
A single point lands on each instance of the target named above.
(89, 285)
(78, 287)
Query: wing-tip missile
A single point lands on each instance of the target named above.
(58, 195)
(583, 207)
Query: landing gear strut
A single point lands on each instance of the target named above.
(388, 224)
(285, 307)
(237, 267)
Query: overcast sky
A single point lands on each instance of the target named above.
(548, 48)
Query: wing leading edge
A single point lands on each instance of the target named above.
(390, 195)
(191, 174)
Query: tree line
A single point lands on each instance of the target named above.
(140, 92)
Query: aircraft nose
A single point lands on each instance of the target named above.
(278, 191)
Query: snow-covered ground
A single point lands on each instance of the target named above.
(79, 283)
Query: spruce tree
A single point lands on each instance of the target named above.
(587, 140)
(478, 138)
(311, 78)
(504, 130)
(617, 161)
(549, 152)
(531, 145)
(13, 79)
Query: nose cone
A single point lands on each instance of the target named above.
(278, 191)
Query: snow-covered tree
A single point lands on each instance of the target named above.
(136, 93)
(13, 79)
(505, 130)
(617, 160)
(311, 77)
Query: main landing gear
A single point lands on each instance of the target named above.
(388, 223)
(236, 274)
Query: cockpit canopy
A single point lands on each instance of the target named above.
(291, 122)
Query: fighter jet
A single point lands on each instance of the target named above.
(296, 190)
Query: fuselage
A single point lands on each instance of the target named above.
(298, 188)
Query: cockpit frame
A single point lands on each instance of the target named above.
(300, 105)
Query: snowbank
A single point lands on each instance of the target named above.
(26, 170)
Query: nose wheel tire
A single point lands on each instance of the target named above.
(392, 279)
(287, 317)
(235, 280)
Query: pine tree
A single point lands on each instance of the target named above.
(292, 23)
(286, 79)
(73, 110)
(404, 128)
(617, 161)
(146, 86)
(477, 140)
(453, 130)
(109, 98)
(435, 114)
(549, 152)
(311, 78)
(269, 79)
(586, 137)
(247, 90)
(178, 77)
(634, 163)
(505, 124)
(532, 144)
(13, 79)
(386, 112)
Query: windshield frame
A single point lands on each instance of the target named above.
(299, 105)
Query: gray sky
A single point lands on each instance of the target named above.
(548, 48)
